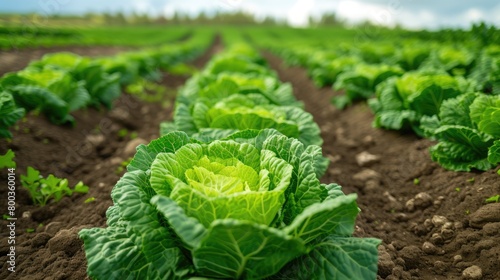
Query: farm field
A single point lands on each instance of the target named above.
(432, 222)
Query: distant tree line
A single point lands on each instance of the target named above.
(180, 18)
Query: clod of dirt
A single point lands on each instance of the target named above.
(43, 213)
(420, 201)
(366, 159)
(440, 267)
(368, 140)
(447, 234)
(429, 248)
(40, 239)
(116, 161)
(491, 229)
(484, 245)
(372, 185)
(385, 263)
(489, 213)
(130, 149)
(472, 273)
(437, 239)
(411, 254)
(95, 139)
(66, 241)
(122, 116)
(365, 175)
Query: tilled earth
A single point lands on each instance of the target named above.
(439, 228)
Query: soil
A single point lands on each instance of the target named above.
(438, 228)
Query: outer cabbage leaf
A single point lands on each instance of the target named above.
(461, 148)
(494, 153)
(335, 215)
(134, 245)
(336, 258)
(9, 114)
(360, 82)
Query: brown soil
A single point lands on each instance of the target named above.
(424, 227)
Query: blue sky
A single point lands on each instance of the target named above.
(409, 13)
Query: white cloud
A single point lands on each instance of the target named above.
(358, 11)
(298, 14)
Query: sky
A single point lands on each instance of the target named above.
(413, 14)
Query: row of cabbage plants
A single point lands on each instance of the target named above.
(447, 93)
(61, 83)
(231, 190)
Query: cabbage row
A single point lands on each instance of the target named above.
(359, 69)
(231, 190)
(447, 93)
(61, 83)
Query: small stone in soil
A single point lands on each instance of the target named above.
(457, 259)
(438, 221)
(366, 174)
(472, 273)
(26, 215)
(366, 159)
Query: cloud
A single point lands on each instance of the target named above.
(298, 14)
(359, 11)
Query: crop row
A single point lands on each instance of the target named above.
(61, 83)
(447, 93)
(231, 190)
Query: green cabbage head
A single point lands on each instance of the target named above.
(249, 206)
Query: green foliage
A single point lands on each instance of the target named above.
(359, 82)
(401, 103)
(61, 83)
(102, 87)
(9, 113)
(247, 95)
(467, 133)
(220, 195)
(240, 207)
(53, 92)
(44, 189)
(492, 199)
(149, 91)
(7, 160)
